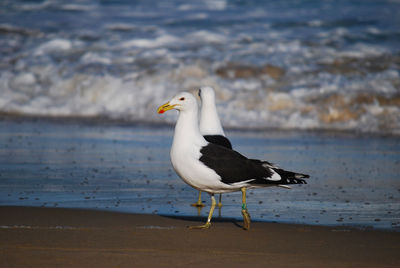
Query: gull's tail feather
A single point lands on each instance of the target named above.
(289, 177)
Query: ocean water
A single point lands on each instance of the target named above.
(292, 64)
(122, 167)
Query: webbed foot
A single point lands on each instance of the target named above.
(204, 226)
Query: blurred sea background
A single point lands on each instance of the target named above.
(284, 64)
(311, 85)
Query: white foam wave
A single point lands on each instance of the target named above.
(199, 16)
(77, 7)
(163, 40)
(204, 36)
(362, 51)
(315, 23)
(241, 103)
(216, 4)
(8, 28)
(36, 6)
(24, 80)
(91, 57)
(186, 7)
(55, 45)
(120, 27)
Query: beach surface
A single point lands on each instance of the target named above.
(58, 237)
(126, 168)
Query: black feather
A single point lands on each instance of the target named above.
(233, 167)
(291, 177)
(219, 139)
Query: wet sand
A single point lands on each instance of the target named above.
(56, 237)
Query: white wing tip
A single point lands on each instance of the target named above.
(275, 177)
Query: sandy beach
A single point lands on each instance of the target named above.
(54, 237)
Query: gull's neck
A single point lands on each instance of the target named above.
(209, 120)
(187, 132)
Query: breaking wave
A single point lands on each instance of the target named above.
(272, 65)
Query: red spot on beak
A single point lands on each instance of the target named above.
(161, 111)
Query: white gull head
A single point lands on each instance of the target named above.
(209, 120)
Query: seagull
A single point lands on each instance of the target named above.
(210, 127)
(215, 169)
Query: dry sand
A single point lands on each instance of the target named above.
(54, 237)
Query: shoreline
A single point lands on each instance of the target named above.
(55, 237)
(200, 219)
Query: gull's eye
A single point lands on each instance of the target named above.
(182, 99)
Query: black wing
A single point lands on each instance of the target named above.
(233, 167)
(219, 139)
(225, 142)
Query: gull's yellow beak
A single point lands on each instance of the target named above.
(165, 107)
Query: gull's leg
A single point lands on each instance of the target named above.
(219, 205)
(220, 201)
(198, 204)
(245, 213)
(208, 223)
